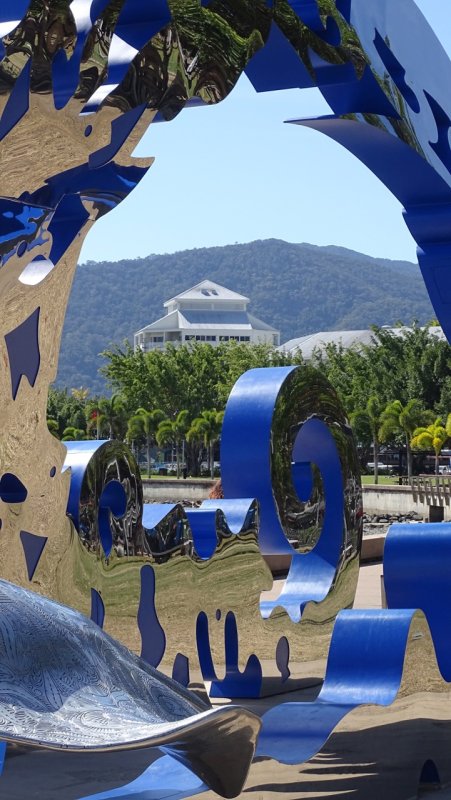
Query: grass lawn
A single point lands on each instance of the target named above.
(145, 475)
(384, 480)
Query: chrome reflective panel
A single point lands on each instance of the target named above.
(193, 584)
(105, 500)
(79, 83)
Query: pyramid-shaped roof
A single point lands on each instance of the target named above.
(207, 290)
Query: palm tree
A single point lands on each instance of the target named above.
(53, 427)
(433, 437)
(72, 434)
(110, 416)
(145, 423)
(173, 431)
(371, 417)
(207, 428)
(399, 419)
(81, 394)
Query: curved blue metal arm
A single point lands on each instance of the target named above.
(311, 574)
(78, 456)
(246, 449)
(236, 512)
(417, 574)
(365, 665)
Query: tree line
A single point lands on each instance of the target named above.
(396, 391)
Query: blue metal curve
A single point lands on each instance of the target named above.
(311, 574)
(417, 574)
(365, 665)
(77, 459)
(367, 651)
(204, 528)
(245, 449)
(235, 511)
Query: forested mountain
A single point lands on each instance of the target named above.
(298, 288)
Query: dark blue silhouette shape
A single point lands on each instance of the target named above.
(203, 525)
(235, 683)
(18, 102)
(290, 73)
(153, 637)
(429, 775)
(12, 489)
(309, 14)
(180, 670)
(69, 217)
(97, 608)
(113, 500)
(397, 72)
(23, 352)
(443, 122)
(283, 658)
(33, 547)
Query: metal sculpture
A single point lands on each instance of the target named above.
(79, 83)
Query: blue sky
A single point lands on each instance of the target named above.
(235, 172)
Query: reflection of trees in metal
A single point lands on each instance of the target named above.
(46, 29)
(347, 48)
(200, 54)
(94, 466)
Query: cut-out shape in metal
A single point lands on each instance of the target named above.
(23, 352)
(33, 547)
(12, 489)
(180, 670)
(235, 683)
(97, 608)
(152, 634)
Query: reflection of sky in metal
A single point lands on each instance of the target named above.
(297, 216)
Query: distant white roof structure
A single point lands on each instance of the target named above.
(208, 312)
(206, 290)
(346, 339)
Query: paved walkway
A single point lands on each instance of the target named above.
(368, 593)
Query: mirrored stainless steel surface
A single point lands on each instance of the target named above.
(79, 83)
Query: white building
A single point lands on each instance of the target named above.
(209, 313)
(306, 345)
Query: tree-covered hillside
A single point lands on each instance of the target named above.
(298, 288)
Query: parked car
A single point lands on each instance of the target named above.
(387, 469)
